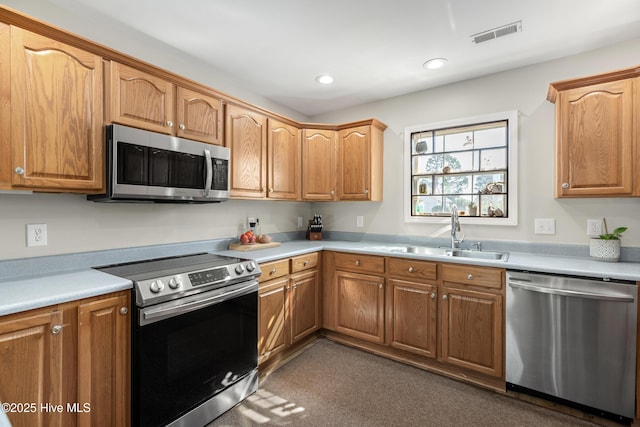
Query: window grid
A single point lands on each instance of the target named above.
(447, 168)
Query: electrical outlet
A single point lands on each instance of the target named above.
(36, 235)
(359, 221)
(594, 227)
(545, 226)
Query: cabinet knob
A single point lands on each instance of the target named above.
(333, 192)
(295, 286)
(124, 310)
(306, 262)
(565, 185)
(273, 271)
(271, 190)
(169, 123)
(182, 126)
(433, 295)
(380, 285)
(444, 297)
(366, 191)
(470, 277)
(357, 262)
(19, 170)
(410, 269)
(56, 329)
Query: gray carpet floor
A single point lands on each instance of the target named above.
(333, 385)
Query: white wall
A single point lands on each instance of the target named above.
(522, 89)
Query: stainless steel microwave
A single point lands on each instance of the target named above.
(144, 166)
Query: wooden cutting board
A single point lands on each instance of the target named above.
(252, 246)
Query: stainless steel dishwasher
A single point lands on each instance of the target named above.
(573, 340)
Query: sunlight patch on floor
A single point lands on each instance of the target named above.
(268, 406)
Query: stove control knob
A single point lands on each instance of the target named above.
(175, 282)
(239, 269)
(156, 286)
(250, 267)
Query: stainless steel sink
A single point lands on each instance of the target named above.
(462, 253)
(465, 253)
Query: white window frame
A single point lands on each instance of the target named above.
(512, 200)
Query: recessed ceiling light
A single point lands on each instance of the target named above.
(434, 63)
(324, 79)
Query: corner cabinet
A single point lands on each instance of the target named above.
(143, 100)
(56, 115)
(597, 135)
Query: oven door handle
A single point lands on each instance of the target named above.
(165, 311)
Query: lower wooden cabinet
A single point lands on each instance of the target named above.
(360, 305)
(67, 364)
(288, 303)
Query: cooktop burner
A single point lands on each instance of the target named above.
(161, 279)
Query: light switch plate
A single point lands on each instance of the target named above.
(545, 226)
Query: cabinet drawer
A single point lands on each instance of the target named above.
(304, 262)
(356, 262)
(413, 269)
(485, 277)
(274, 269)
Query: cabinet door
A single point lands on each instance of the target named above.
(272, 317)
(412, 307)
(354, 166)
(360, 306)
(6, 171)
(472, 331)
(283, 161)
(103, 361)
(56, 114)
(595, 140)
(199, 117)
(319, 164)
(305, 304)
(246, 136)
(141, 100)
(31, 347)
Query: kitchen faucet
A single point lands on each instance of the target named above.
(455, 227)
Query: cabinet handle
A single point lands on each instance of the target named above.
(273, 271)
(565, 185)
(169, 123)
(306, 262)
(366, 191)
(380, 285)
(470, 277)
(124, 310)
(288, 288)
(271, 190)
(433, 295)
(182, 126)
(295, 286)
(19, 170)
(444, 297)
(357, 262)
(56, 329)
(410, 269)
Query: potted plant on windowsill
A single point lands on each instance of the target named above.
(473, 209)
(606, 247)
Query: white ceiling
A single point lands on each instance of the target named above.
(374, 48)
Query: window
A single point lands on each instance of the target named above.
(470, 163)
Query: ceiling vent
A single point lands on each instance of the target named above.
(505, 30)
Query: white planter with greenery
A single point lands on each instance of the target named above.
(606, 247)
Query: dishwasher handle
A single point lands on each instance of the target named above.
(514, 283)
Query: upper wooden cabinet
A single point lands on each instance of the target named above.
(283, 161)
(246, 137)
(360, 151)
(318, 164)
(345, 164)
(597, 135)
(143, 100)
(56, 115)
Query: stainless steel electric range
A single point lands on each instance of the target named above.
(194, 337)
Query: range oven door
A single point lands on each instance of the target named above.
(186, 351)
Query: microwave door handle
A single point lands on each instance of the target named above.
(209, 177)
